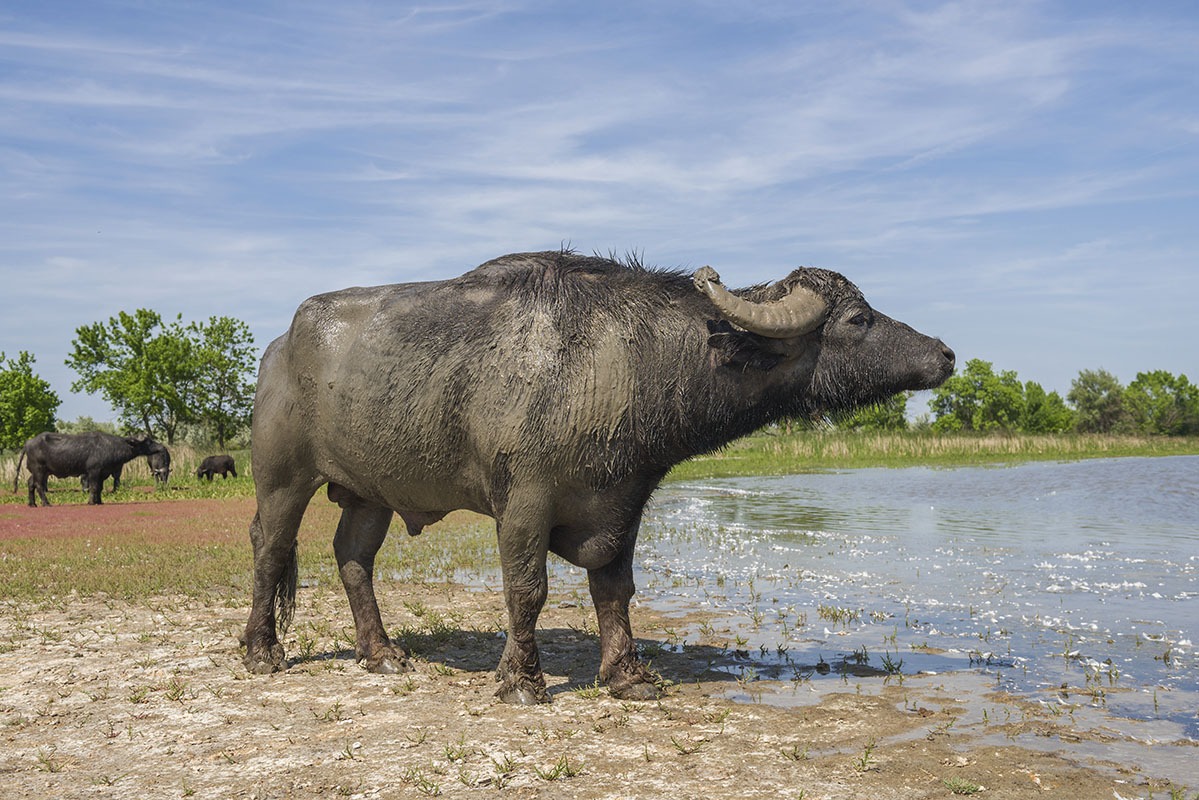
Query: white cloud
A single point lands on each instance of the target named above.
(230, 158)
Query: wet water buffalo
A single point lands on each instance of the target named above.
(552, 391)
(214, 464)
(93, 455)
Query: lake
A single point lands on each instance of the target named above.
(1034, 576)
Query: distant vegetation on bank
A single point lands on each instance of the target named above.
(773, 451)
(776, 452)
(978, 416)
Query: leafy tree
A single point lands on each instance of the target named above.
(145, 369)
(84, 424)
(27, 403)
(163, 376)
(1045, 413)
(978, 400)
(225, 389)
(1098, 399)
(889, 415)
(1160, 403)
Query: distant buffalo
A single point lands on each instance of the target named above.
(214, 464)
(158, 459)
(94, 455)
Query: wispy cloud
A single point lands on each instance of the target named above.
(228, 159)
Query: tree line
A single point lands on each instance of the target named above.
(977, 398)
(163, 378)
(166, 377)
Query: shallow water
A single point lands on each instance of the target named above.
(1083, 574)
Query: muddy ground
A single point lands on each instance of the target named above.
(149, 699)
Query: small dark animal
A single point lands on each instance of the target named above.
(214, 464)
(94, 455)
(553, 392)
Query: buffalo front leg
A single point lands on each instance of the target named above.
(95, 487)
(360, 534)
(611, 589)
(523, 544)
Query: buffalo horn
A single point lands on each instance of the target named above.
(794, 315)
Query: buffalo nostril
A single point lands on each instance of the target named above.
(945, 351)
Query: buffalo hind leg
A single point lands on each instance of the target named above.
(37, 487)
(611, 589)
(273, 535)
(360, 534)
(523, 544)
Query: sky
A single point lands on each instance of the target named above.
(1018, 178)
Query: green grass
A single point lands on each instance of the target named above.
(209, 556)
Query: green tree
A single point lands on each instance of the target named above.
(83, 425)
(27, 403)
(1098, 400)
(978, 400)
(1160, 403)
(145, 369)
(1045, 413)
(889, 415)
(225, 389)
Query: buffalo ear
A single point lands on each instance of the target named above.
(740, 349)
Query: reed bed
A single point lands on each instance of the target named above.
(773, 453)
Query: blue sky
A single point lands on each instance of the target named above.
(1019, 178)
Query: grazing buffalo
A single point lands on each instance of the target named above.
(214, 464)
(553, 392)
(94, 455)
(158, 459)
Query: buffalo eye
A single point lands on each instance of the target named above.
(861, 319)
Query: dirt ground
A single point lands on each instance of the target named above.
(116, 699)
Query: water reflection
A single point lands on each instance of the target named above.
(1083, 573)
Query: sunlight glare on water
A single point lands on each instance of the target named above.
(1079, 573)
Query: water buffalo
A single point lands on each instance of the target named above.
(158, 459)
(94, 455)
(214, 464)
(552, 391)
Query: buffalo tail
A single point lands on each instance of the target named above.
(285, 591)
(16, 476)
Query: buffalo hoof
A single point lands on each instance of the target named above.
(629, 679)
(387, 663)
(636, 690)
(523, 693)
(264, 663)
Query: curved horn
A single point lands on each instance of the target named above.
(798, 313)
